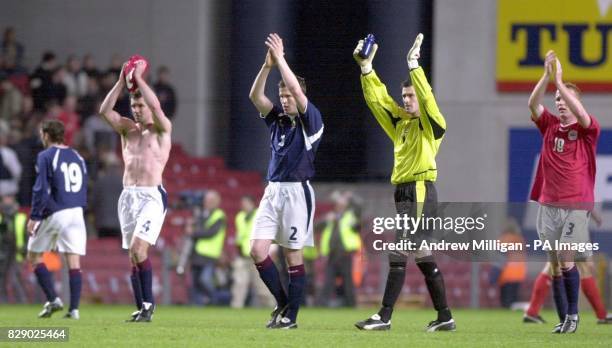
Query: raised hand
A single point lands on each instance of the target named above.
(415, 52)
(270, 62)
(121, 73)
(558, 71)
(548, 63)
(553, 67)
(275, 46)
(141, 65)
(364, 63)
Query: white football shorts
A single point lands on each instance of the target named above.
(285, 215)
(142, 210)
(64, 230)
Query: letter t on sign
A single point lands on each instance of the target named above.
(533, 55)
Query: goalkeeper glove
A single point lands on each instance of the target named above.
(415, 52)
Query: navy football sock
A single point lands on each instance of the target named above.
(136, 288)
(571, 280)
(145, 273)
(75, 287)
(269, 274)
(560, 297)
(45, 280)
(297, 282)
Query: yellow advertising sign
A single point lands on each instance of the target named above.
(579, 31)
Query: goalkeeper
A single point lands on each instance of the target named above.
(416, 130)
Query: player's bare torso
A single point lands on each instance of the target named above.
(145, 153)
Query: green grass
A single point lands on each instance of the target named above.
(103, 326)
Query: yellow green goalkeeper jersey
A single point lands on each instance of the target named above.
(415, 139)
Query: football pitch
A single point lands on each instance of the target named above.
(172, 326)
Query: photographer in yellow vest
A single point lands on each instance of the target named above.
(208, 234)
(12, 248)
(340, 239)
(244, 273)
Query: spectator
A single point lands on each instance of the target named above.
(12, 248)
(339, 241)
(98, 134)
(106, 82)
(115, 66)
(514, 271)
(11, 47)
(57, 90)
(90, 102)
(244, 273)
(70, 119)
(27, 108)
(20, 121)
(165, 91)
(40, 81)
(89, 66)
(15, 132)
(105, 194)
(10, 167)
(75, 79)
(11, 100)
(208, 235)
(16, 73)
(27, 149)
(311, 255)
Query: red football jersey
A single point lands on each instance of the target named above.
(566, 171)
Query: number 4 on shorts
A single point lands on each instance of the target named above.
(146, 226)
(571, 229)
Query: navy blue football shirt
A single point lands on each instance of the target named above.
(61, 182)
(294, 142)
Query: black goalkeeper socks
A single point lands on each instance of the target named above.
(395, 282)
(436, 288)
